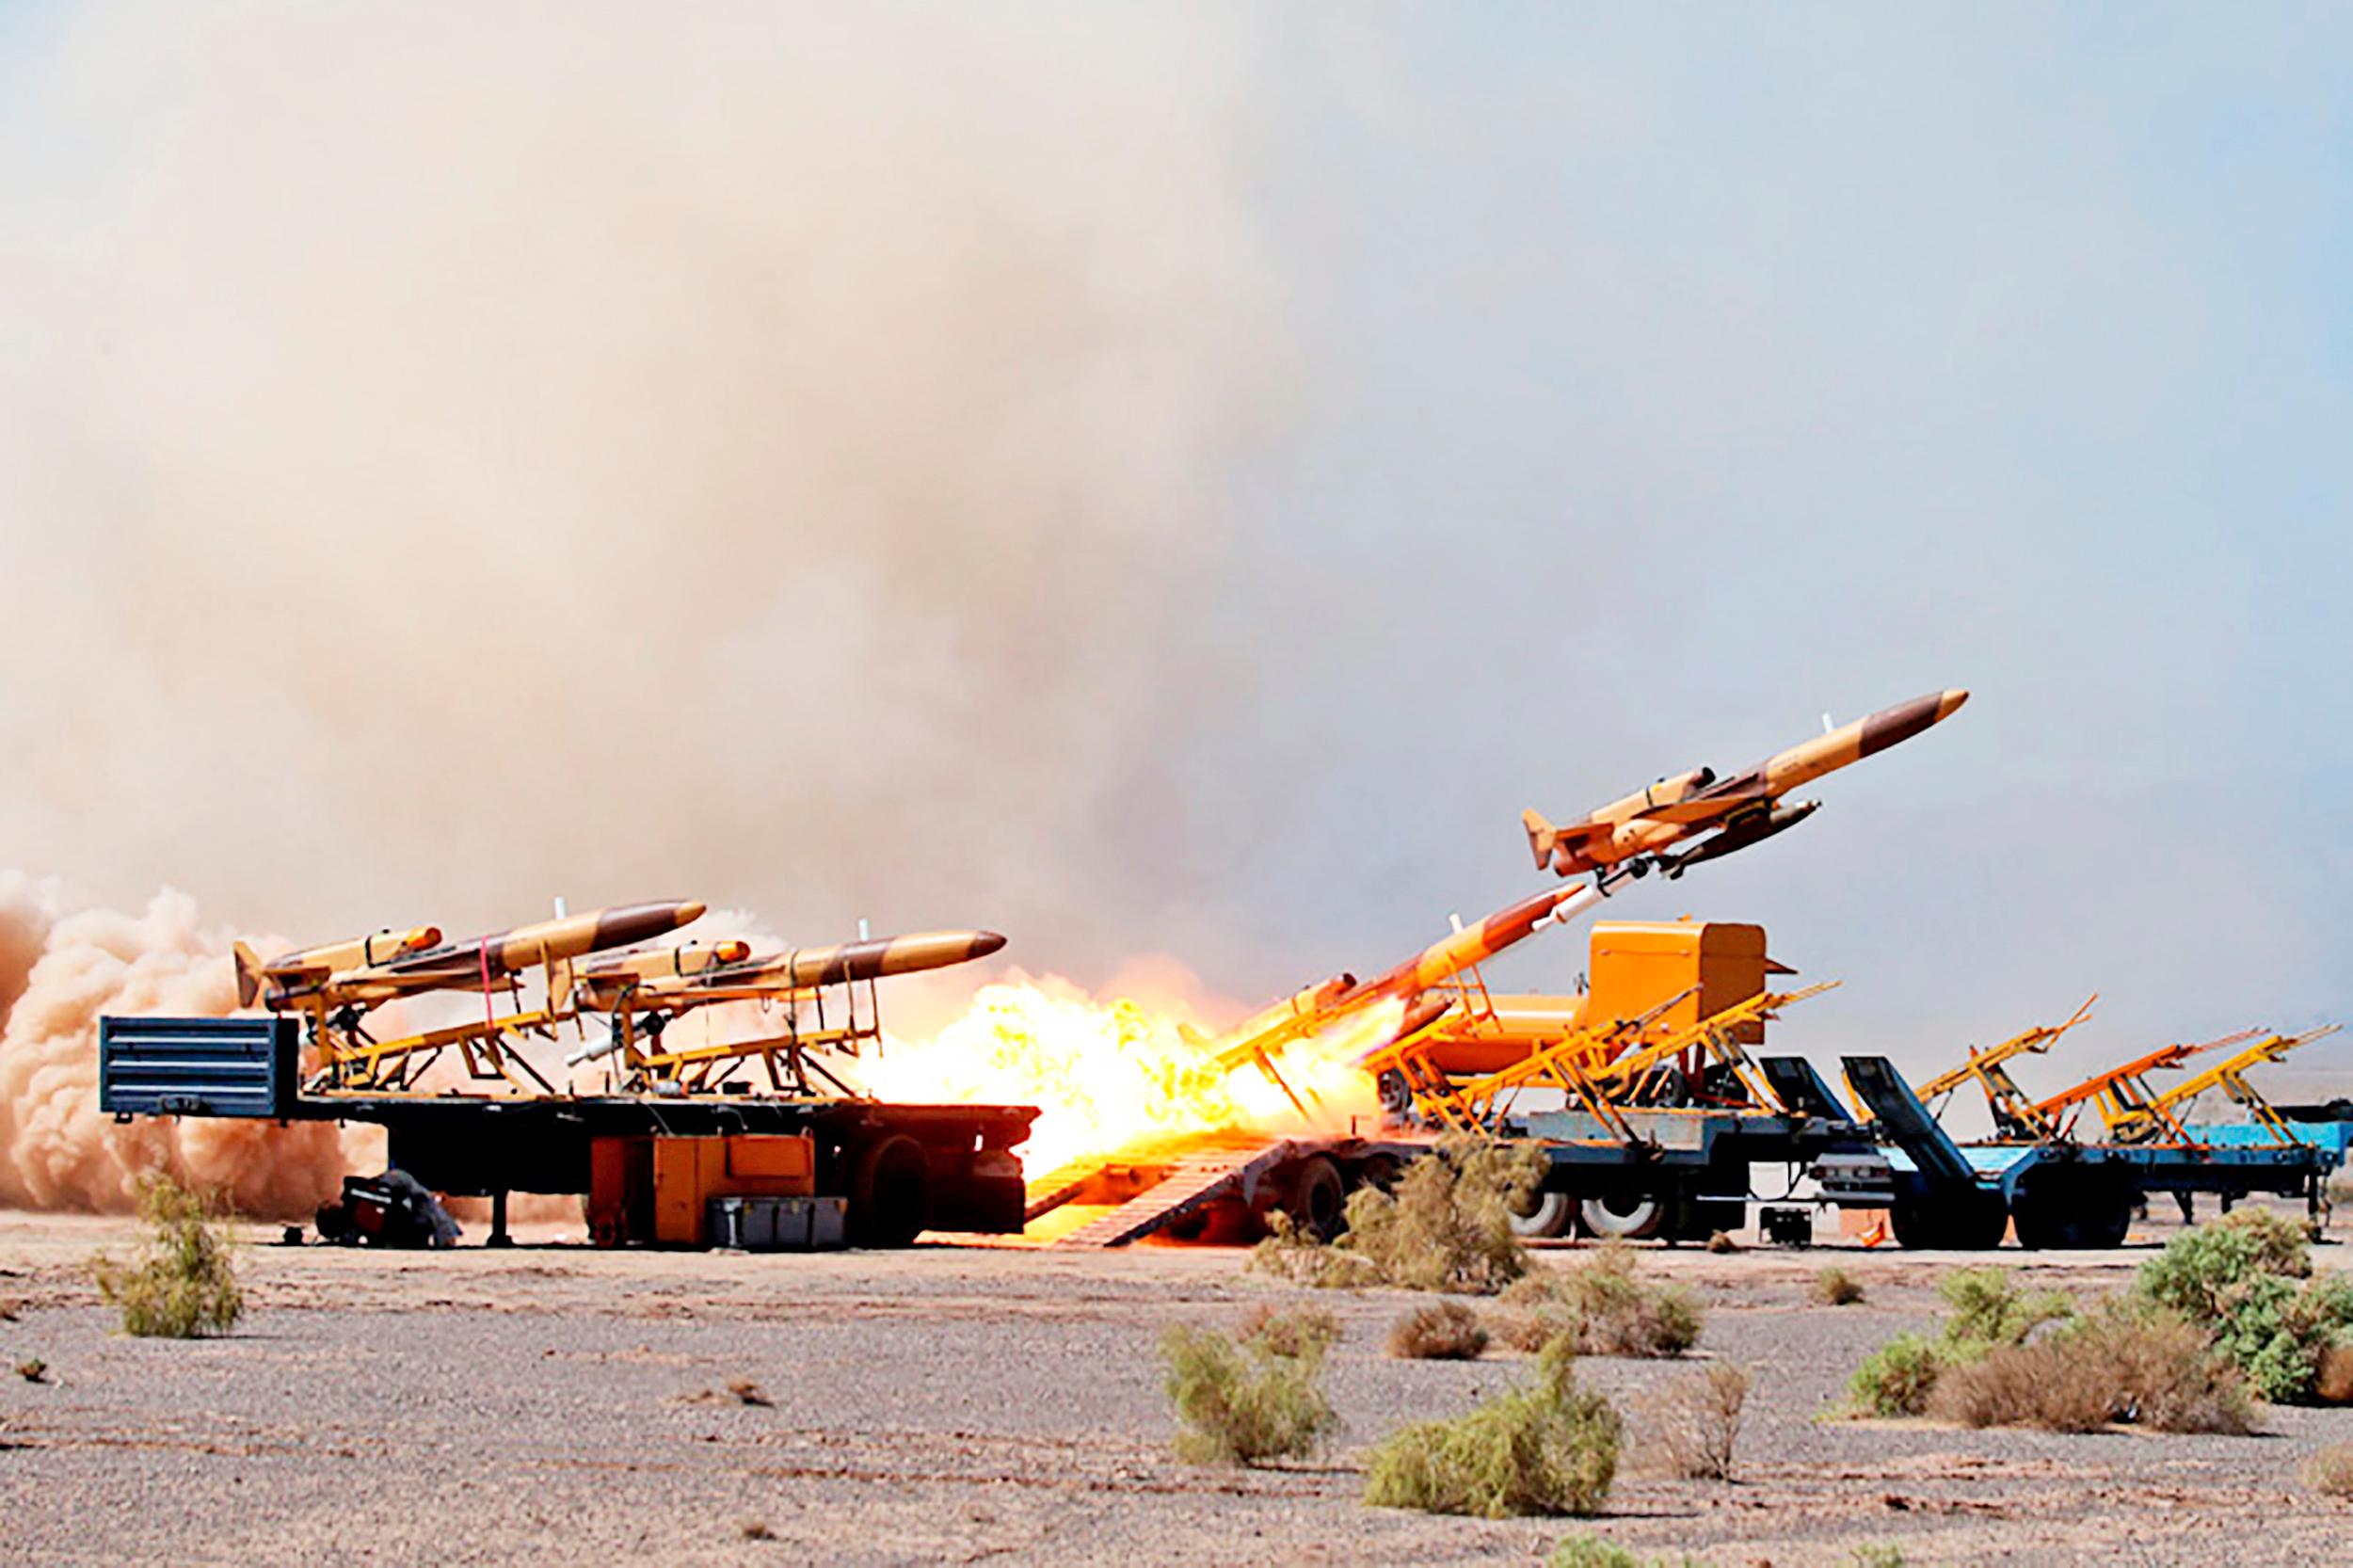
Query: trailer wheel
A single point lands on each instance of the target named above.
(1545, 1215)
(1317, 1198)
(1622, 1217)
(1949, 1221)
(890, 1194)
(2062, 1216)
(1380, 1172)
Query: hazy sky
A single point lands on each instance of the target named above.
(1184, 480)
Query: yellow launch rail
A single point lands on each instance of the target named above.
(2124, 1091)
(643, 1065)
(1580, 1065)
(350, 1060)
(2016, 1117)
(2156, 1122)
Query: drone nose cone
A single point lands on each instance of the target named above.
(638, 922)
(1892, 726)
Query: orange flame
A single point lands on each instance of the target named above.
(1111, 1075)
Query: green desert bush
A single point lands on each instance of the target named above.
(1694, 1423)
(1603, 1307)
(1989, 1309)
(33, 1369)
(1546, 1449)
(1898, 1378)
(1878, 1555)
(1245, 1405)
(1834, 1286)
(2244, 1279)
(1447, 1331)
(1989, 1313)
(184, 1283)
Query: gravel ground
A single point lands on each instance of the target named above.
(958, 1404)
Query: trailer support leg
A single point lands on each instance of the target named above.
(498, 1221)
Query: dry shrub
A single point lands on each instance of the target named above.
(1603, 1309)
(1591, 1551)
(1719, 1241)
(2126, 1364)
(1990, 1313)
(747, 1392)
(2024, 1386)
(184, 1283)
(1447, 1332)
(1239, 1404)
(2332, 1379)
(1549, 1448)
(756, 1529)
(1694, 1423)
(2329, 1470)
(1306, 1331)
(1290, 1253)
(1447, 1225)
(33, 1369)
(1834, 1286)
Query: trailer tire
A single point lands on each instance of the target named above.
(2079, 1216)
(1317, 1199)
(1379, 1172)
(1547, 1215)
(1953, 1222)
(1623, 1218)
(890, 1194)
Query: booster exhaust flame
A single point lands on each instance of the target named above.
(1112, 1074)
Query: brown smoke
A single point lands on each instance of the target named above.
(774, 455)
(59, 972)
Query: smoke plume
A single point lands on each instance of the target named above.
(765, 455)
(59, 972)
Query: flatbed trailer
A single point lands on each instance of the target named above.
(1673, 1174)
(650, 1165)
(1686, 1172)
(2058, 1192)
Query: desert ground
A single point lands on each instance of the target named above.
(969, 1402)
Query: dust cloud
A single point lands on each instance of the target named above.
(771, 456)
(767, 455)
(59, 972)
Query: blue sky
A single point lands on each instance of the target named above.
(1507, 406)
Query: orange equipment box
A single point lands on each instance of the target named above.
(656, 1189)
(1638, 965)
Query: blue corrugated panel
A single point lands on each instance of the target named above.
(2334, 1136)
(197, 1066)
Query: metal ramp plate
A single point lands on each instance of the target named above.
(1060, 1186)
(1878, 1085)
(1192, 1182)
